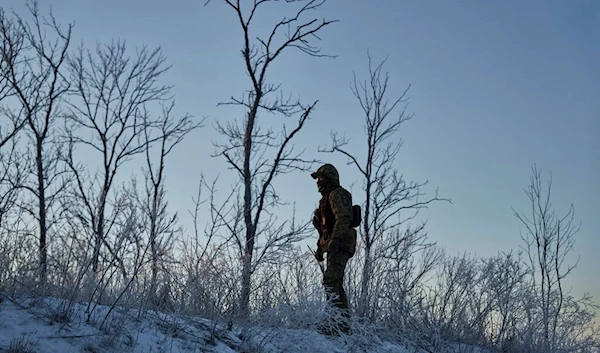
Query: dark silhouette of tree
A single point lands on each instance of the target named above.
(259, 156)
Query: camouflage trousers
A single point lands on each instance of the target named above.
(333, 279)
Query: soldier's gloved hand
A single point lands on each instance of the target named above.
(334, 247)
(319, 255)
(316, 221)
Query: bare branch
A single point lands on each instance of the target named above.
(390, 201)
(110, 97)
(259, 156)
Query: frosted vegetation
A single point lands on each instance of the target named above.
(93, 264)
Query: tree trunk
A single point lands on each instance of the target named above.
(250, 226)
(246, 283)
(99, 232)
(43, 260)
(154, 248)
(249, 247)
(363, 307)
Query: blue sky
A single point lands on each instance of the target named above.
(496, 87)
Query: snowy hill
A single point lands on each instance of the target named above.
(55, 326)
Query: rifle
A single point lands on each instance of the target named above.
(321, 266)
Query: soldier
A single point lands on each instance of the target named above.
(337, 237)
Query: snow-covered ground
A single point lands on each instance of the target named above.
(52, 326)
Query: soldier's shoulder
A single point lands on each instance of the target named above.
(340, 195)
(339, 191)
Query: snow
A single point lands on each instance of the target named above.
(56, 326)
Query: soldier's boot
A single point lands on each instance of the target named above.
(339, 319)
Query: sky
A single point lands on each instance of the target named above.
(495, 88)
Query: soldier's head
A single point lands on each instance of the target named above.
(327, 178)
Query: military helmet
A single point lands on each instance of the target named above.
(327, 171)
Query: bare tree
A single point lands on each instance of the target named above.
(161, 227)
(504, 280)
(209, 268)
(391, 202)
(549, 238)
(14, 44)
(491, 303)
(107, 116)
(260, 156)
(35, 75)
(10, 176)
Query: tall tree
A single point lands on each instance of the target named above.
(160, 226)
(391, 201)
(107, 116)
(37, 79)
(548, 238)
(260, 156)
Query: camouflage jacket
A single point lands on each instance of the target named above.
(334, 217)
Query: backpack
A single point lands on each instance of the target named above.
(356, 216)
